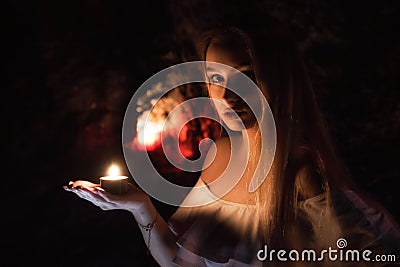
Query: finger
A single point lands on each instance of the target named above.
(92, 196)
(96, 200)
(105, 195)
(82, 183)
(98, 188)
(108, 206)
(67, 188)
(89, 196)
(81, 194)
(78, 185)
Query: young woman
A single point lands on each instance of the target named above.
(307, 200)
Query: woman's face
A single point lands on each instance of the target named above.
(233, 110)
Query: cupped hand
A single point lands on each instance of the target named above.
(133, 200)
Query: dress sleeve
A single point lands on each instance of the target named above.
(181, 220)
(185, 215)
(352, 222)
(323, 226)
(371, 227)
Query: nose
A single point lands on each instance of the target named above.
(230, 97)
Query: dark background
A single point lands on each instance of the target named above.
(71, 67)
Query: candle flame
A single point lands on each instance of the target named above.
(113, 170)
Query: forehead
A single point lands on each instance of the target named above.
(232, 55)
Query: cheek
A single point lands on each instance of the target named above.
(219, 106)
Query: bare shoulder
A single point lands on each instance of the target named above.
(217, 159)
(309, 182)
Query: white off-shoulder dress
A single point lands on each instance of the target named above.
(226, 234)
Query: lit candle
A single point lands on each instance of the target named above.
(114, 183)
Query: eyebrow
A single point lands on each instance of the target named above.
(210, 69)
(244, 66)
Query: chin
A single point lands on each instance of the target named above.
(235, 126)
(238, 125)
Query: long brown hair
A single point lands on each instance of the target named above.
(304, 146)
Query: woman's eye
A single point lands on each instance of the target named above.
(216, 78)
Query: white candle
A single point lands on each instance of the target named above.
(114, 183)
